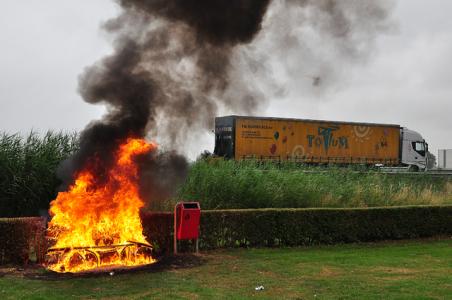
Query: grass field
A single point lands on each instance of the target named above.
(390, 270)
(247, 184)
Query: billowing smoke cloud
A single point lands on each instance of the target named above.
(177, 63)
(311, 46)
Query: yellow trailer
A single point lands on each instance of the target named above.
(311, 141)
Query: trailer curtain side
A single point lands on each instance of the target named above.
(315, 141)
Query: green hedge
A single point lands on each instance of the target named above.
(158, 228)
(22, 240)
(295, 227)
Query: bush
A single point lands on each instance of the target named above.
(158, 229)
(22, 240)
(296, 227)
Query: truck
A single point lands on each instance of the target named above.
(319, 142)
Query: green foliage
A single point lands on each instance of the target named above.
(28, 166)
(22, 239)
(220, 184)
(295, 227)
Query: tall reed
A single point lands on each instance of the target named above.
(250, 184)
(28, 167)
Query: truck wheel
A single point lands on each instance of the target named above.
(413, 168)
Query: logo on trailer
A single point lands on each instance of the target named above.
(327, 139)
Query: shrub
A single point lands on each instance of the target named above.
(22, 240)
(296, 227)
(158, 228)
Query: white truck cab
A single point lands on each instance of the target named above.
(414, 150)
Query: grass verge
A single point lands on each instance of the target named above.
(402, 270)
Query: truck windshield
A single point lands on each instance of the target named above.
(419, 147)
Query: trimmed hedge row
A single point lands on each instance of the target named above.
(158, 228)
(296, 227)
(22, 240)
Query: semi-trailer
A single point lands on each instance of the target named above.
(319, 141)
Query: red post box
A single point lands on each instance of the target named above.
(186, 222)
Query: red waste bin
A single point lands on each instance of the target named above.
(186, 217)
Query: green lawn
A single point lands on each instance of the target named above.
(391, 270)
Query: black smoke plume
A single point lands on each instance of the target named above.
(169, 68)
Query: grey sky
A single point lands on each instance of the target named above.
(406, 80)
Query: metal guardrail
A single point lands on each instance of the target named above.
(405, 170)
(427, 173)
(401, 173)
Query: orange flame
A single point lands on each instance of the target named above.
(90, 220)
